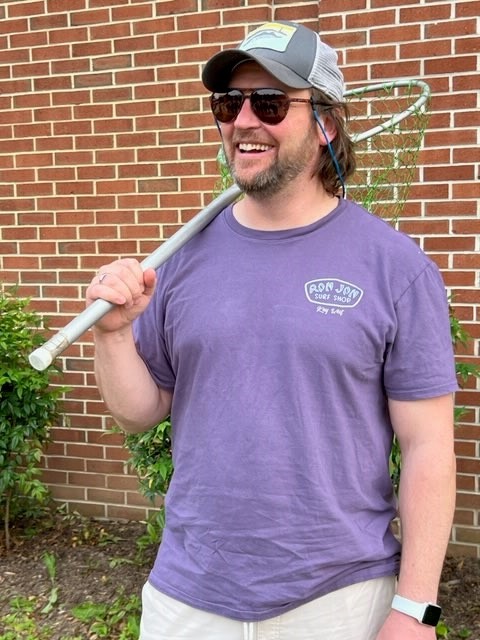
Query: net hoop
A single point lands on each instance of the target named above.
(414, 108)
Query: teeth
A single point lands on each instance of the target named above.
(253, 147)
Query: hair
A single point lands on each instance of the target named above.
(342, 145)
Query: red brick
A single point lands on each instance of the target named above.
(260, 14)
(113, 125)
(340, 6)
(134, 13)
(455, 172)
(84, 508)
(449, 28)
(25, 9)
(115, 186)
(139, 43)
(54, 477)
(471, 534)
(426, 49)
(468, 82)
(15, 25)
(467, 190)
(117, 94)
(459, 278)
(456, 64)
(135, 76)
(389, 35)
(460, 550)
(93, 80)
(466, 226)
(467, 45)
(66, 464)
(106, 496)
(13, 56)
(70, 36)
(125, 513)
(137, 170)
(463, 517)
(463, 9)
(72, 494)
(112, 62)
(58, 6)
(110, 467)
(450, 208)
(91, 49)
(424, 14)
(16, 204)
(95, 16)
(468, 500)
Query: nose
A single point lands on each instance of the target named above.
(246, 119)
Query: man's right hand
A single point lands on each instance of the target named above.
(127, 286)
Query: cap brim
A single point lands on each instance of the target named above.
(218, 70)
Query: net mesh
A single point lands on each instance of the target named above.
(387, 159)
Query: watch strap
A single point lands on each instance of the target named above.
(424, 612)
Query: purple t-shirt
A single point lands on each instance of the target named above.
(281, 349)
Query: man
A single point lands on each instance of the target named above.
(289, 341)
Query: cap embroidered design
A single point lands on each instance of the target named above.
(290, 52)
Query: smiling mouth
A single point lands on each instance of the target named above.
(244, 147)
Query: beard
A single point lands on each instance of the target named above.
(276, 177)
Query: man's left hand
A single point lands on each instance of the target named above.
(399, 626)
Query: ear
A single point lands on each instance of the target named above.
(326, 128)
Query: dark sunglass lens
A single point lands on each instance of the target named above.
(269, 105)
(226, 106)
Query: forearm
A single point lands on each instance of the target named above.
(427, 501)
(131, 395)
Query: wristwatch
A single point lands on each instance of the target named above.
(424, 612)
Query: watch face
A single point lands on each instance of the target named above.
(432, 615)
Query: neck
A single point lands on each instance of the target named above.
(286, 209)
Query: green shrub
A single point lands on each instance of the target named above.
(28, 407)
(151, 458)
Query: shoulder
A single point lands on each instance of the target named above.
(378, 235)
(391, 258)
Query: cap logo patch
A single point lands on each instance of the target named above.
(271, 35)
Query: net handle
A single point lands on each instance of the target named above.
(388, 86)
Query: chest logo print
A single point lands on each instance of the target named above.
(332, 292)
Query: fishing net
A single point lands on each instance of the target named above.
(387, 122)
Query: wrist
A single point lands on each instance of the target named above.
(119, 334)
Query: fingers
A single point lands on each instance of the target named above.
(149, 280)
(122, 282)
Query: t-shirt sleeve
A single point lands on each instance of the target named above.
(150, 342)
(420, 360)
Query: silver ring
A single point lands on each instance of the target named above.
(101, 277)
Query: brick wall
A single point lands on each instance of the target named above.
(107, 147)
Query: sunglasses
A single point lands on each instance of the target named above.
(269, 105)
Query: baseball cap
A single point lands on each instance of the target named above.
(291, 52)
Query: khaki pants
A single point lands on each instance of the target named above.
(354, 613)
